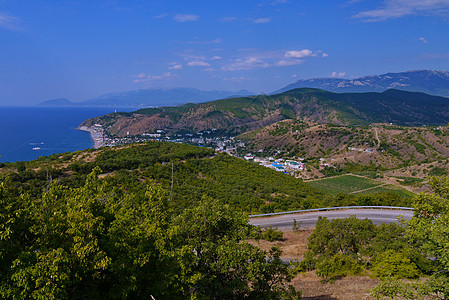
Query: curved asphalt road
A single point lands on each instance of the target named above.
(308, 220)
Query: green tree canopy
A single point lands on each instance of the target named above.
(102, 240)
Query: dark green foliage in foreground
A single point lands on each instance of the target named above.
(272, 234)
(429, 231)
(394, 264)
(344, 247)
(102, 241)
(339, 265)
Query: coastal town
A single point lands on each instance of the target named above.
(206, 138)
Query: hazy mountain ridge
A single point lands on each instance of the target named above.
(425, 81)
(57, 102)
(239, 115)
(150, 97)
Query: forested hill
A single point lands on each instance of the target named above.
(155, 220)
(238, 115)
(197, 172)
(160, 220)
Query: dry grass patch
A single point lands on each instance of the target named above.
(348, 288)
(293, 246)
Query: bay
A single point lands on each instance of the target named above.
(29, 132)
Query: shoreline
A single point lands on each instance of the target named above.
(96, 134)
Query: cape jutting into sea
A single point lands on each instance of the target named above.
(29, 132)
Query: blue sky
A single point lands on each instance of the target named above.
(82, 49)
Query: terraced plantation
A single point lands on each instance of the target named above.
(352, 184)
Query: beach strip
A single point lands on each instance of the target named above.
(97, 135)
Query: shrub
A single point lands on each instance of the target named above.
(340, 265)
(272, 234)
(394, 264)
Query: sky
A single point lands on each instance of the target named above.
(82, 49)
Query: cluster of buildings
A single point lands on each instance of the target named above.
(220, 144)
(280, 165)
(206, 138)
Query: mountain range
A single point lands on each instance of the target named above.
(425, 81)
(243, 114)
(149, 98)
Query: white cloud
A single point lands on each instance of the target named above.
(284, 63)
(296, 57)
(252, 59)
(399, 8)
(160, 16)
(423, 40)
(262, 20)
(246, 64)
(216, 57)
(324, 55)
(299, 54)
(8, 22)
(185, 18)
(175, 67)
(198, 63)
(142, 77)
(338, 75)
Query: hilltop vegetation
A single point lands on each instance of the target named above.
(362, 133)
(239, 115)
(190, 172)
(108, 240)
(312, 124)
(161, 219)
(399, 154)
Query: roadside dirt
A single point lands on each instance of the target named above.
(349, 288)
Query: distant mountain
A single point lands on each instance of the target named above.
(425, 81)
(239, 115)
(57, 102)
(151, 98)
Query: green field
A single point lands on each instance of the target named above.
(350, 184)
(389, 188)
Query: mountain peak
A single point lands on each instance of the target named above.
(426, 81)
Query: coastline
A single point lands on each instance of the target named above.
(96, 134)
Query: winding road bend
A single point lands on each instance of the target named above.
(309, 219)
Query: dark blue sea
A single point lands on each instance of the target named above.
(47, 130)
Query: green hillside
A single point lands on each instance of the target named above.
(153, 219)
(69, 230)
(190, 173)
(197, 172)
(238, 115)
